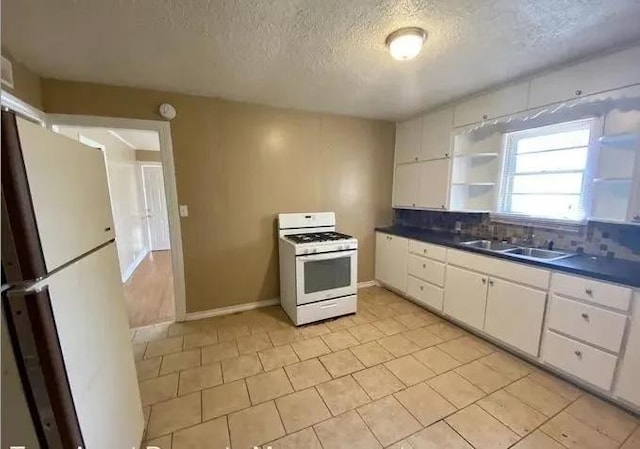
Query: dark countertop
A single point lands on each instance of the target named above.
(613, 270)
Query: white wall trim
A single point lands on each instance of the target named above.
(366, 284)
(166, 149)
(231, 309)
(134, 265)
(250, 306)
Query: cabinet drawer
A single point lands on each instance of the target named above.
(588, 363)
(326, 309)
(425, 293)
(597, 292)
(426, 269)
(591, 324)
(493, 266)
(435, 252)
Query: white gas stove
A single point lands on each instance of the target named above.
(318, 267)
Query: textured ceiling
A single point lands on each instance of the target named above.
(319, 55)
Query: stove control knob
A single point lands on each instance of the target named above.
(314, 251)
(306, 251)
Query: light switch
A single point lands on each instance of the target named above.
(184, 210)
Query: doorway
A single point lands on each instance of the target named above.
(140, 209)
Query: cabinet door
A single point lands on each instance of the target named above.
(406, 184)
(515, 314)
(391, 260)
(596, 75)
(436, 134)
(434, 184)
(465, 296)
(408, 135)
(505, 101)
(629, 371)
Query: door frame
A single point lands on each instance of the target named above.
(141, 165)
(163, 128)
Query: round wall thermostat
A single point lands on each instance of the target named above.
(167, 111)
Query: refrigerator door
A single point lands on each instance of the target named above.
(57, 186)
(92, 328)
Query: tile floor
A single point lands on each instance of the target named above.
(393, 376)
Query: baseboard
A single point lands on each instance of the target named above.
(231, 309)
(366, 284)
(132, 268)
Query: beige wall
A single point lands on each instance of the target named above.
(26, 84)
(148, 156)
(238, 165)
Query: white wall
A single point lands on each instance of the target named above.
(125, 190)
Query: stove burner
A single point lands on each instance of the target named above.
(317, 237)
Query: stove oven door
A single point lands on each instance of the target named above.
(326, 275)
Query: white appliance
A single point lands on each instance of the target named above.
(318, 267)
(62, 297)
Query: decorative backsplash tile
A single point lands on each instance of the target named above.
(602, 239)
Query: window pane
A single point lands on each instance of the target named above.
(552, 206)
(548, 183)
(559, 140)
(575, 159)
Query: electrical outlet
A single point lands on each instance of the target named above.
(458, 226)
(184, 210)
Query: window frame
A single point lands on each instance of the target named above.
(507, 171)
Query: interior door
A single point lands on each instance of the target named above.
(88, 307)
(69, 191)
(156, 207)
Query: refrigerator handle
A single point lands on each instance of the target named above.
(34, 338)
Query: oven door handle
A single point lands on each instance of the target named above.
(326, 256)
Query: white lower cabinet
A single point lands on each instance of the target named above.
(425, 293)
(578, 359)
(627, 386)
(585, 334)
(391, 260)
(514, 314)
(465, 296)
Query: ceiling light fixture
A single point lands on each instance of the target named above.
(406, 43)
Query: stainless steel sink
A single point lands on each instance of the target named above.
(518, 251)
(490, 245)
(537, 253)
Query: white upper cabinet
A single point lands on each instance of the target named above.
(408, 139)
(406, 184)
(436, 134)
(597, 75)
(434, 184)
(505, 101)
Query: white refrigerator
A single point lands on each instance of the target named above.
(63, 300)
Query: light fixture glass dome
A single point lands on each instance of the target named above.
(406, 43)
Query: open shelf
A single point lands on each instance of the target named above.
(476, 155)
(611, 179)
(475, 184)
(627, 141)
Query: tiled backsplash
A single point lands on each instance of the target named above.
(602, 239)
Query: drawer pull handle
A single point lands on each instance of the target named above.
(421, 287)
(424, 251)
(328, 306)
(578, 353)
(484, 280)
(424, 265)
(589, 292)
(585, 316)
(491, 283)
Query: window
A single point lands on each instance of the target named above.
(546, 170)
